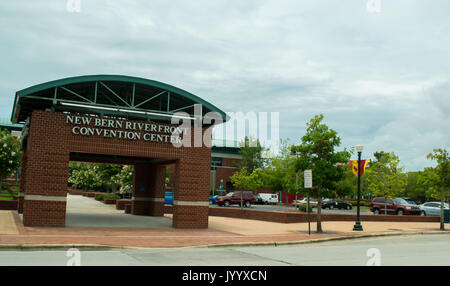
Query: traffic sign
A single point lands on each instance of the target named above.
(308, 179)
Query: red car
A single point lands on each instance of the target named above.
(398, 206)
(234, 198)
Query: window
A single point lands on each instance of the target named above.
(401, 202)
(216, 161)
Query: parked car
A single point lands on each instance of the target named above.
(396, 206)
(336, 204)
(259, 199)
(269, 199)
(212, 199)
(234, 198)
(432, 208)
(312, 202)
(409, 200)
(168, 198)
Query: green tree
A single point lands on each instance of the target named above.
(247, 182)
(442, 171)
(385, 178)
(252, 155)
(279, 169)
(317, 153)
(9, 157)
(347, 186)
(429, 184)
(124, 178)
(414, 189)
(104, 173)
(83, 176)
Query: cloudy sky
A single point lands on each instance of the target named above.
(380, 78)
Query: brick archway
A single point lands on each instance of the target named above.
(51, 140)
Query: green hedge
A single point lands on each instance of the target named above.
(303, 208)
(361, 203)
(103, 197)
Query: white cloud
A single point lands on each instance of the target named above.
(380, 79)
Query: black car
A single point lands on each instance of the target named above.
(336, 204)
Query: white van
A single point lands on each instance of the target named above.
(267, 199)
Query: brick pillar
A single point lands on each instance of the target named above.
(148, 190)
(46, 172)
(20, 198)
(191, 203)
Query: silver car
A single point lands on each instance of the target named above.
(432, 208)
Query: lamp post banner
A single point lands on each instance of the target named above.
(354, 166)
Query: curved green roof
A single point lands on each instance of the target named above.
(134, 94)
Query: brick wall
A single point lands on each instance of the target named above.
(296, 217)
(45, 170)
(9, 205)
(120, 204)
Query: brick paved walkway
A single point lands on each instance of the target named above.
(89, 222)
(221, 231)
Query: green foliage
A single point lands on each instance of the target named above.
(247, 182)
(304, 208)
(429, 184)
(384, 177)
(441, 176)
(107, 196)
(279, 173)
(415, 189)
(124, 178)
(361, 203)
(438, 178)
(100, 177)
(83, 176)
(347, 186)
(252, 155)
(317, 152)
(10, 154)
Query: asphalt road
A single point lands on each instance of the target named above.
(412, 250)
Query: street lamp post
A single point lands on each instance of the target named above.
(358, 226)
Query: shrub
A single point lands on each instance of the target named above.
(361, 203)
(102, 197)
(303, 208)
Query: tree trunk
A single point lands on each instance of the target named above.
(319, 211)
(442, 205)
(114, 188)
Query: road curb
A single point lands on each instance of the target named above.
(321, 240)
(43, 247)
(102, 247)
